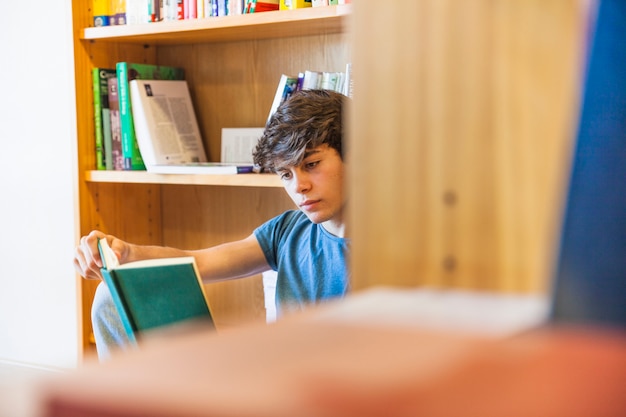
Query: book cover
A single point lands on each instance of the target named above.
(206, 168)
(126, 72)
(154, 293)
(286, 86)
(101, 115)
(115, 145)
(165, 123)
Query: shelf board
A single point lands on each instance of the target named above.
(274, 24)
(144, 177)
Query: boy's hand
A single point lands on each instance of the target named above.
(87, 261)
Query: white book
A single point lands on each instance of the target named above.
(312, 80)
(329, 80)
(137, 12)
(348, 83)
(238, 143)
(165, 123)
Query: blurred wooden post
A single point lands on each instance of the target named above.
(461, 135)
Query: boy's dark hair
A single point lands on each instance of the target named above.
(306, 120)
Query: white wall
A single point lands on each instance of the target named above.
(38, 323)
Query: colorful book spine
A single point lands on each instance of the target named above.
(179, 7)
(266, 5)
(294, 4)
(222, 8)
(101, 12)
(100, 77)
(118, 12)
(117, 159)
(127, 71)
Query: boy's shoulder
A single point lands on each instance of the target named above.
(290, 219)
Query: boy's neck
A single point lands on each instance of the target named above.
(335, 228)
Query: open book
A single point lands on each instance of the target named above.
(155, 292)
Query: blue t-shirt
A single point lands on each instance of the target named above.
(311, 263)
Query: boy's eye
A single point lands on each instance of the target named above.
(312, 164)
(284, 175)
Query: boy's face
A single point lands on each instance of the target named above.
(316, 186)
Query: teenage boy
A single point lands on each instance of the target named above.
(302, 143)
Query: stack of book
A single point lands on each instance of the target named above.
(144, 119)
(340, 82)
(129, 12)
(116, 142)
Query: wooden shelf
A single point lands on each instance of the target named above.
(299, 22)
(144, 177)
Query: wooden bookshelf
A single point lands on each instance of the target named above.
(232, 65)
(470, 131)
(301, 22)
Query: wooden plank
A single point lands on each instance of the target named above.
(469, 127)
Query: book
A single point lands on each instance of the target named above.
(348, 84)
(312, 80)
(294, 4)
(137, 12)
(156, 10)
(265, 5)
(154, 293)
(118, 12)
(239, 143)
(126, 72)
(101, 12)
(115, 161)
(207, 168)
(165, 123)
(286, 86)
(101, 113)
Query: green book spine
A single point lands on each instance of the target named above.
(127, 71)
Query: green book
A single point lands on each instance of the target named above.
(126, 72)
(101, 115)
(154, 293)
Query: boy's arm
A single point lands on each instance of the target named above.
(229, 260)
(236, 259)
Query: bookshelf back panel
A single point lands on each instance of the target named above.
(201, 216)
(233, 83)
